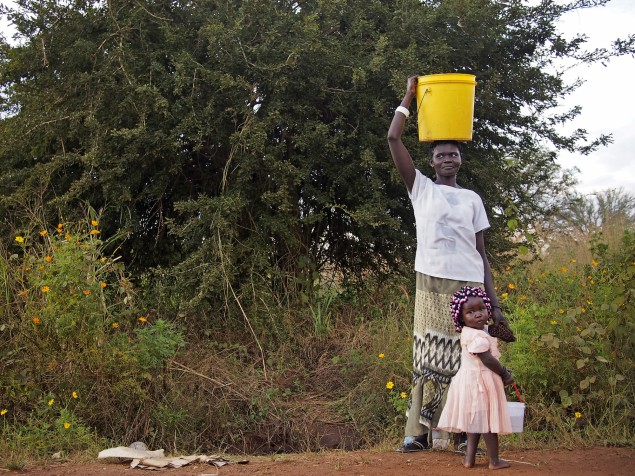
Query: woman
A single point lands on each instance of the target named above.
(450, 221)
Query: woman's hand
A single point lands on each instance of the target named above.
(412, 86)
(498, 316)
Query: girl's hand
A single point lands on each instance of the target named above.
(508, 379)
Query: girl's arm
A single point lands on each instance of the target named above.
(488, 281)
(400, 155)
(495, 366)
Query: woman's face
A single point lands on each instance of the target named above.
(474, 313)
(446, 160)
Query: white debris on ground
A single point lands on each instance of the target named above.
(146, 459)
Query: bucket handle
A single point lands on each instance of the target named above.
(520, 399)
(420, 102)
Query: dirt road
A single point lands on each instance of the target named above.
(579, 462)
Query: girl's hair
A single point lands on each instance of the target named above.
(460, 297)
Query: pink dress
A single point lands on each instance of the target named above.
(476, 401)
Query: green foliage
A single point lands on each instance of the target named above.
(575, 340)
(237, 138)
(71, 332)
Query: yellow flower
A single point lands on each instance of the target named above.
(48, 259)
(3, 411)
(578, 415)
(86, 292)
(508, 268)
(574, 260)
(390, 385)
(403, 395)
(19, 239)
(594, 263)
(553, 323)
(51, 402)
(102, 284)
(94, 222)
(142, 320)
(504, 295)
(115, 325)
(583, 309)
(24, 292)
(36, 320)
(41, 267)
(381, 356)
(564, 270)
(561, 311)
(60, 226)
(74, 394)
(45, 289)
(589, 302)
(94, 232)
(67, 425)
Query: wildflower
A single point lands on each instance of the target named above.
(102, 284)
(381, 356)
(60, 226)
(589, 302)
(574, 260)
(74, 394)
(584, 309)
(508, 268)
(24, 292)
(564, 270)
(41, 267)
(142, 320)
(561, 311)
(390, 384)
(511, 286)
(86, 292)
(504, 295)
(115, 325)
(95, 232)
(403, 395)
(45, 289)
(19, 239)
(94, 222)
(36, 320)
(553, 323)
(594, 263)
(102, 259)
(51, 402)
(578, 415)
(3, 411)
(67, 425)
(48, 259)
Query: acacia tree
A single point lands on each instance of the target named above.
(244, 141)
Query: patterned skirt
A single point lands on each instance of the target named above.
(436, 351)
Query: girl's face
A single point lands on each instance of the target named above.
(474, 313)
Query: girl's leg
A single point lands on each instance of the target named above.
(470, 451)
(491, 440)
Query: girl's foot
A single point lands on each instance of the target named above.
(499, 464)
(468, 463)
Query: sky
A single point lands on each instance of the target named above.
(607, 98)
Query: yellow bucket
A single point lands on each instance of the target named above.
(445, 106)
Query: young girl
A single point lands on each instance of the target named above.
(476, 401)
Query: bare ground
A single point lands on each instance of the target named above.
(563, 462)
